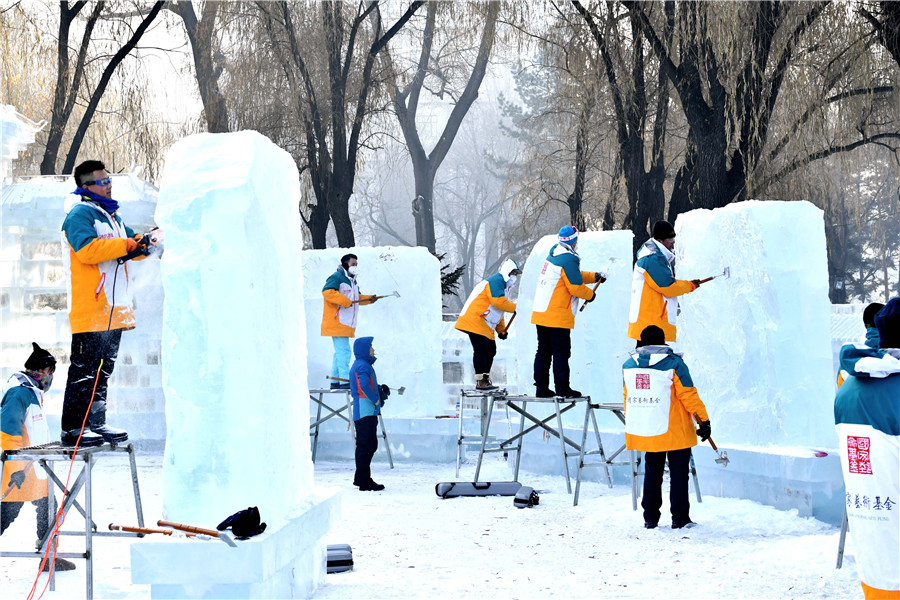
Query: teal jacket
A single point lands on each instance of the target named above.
(363, 381)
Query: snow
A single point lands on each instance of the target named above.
(233, 372)
(758, 343)
(408, 543)
(599, 343)
(407, 330)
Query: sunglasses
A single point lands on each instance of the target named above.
(104, 181)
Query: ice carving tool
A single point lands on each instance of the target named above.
(722, 454)
(191, 529)
(725, 273)
(399, 390)
(147, 530)
(395, 294)
(605, 275)
(511, 319)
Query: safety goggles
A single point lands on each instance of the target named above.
(104, 181)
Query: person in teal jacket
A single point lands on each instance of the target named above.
(867, 418)
(869, 313)
(368, 398)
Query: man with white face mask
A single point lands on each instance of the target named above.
(482, 315)
(342, 301)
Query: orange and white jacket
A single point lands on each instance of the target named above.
(660, 398)
(483, 311)
(342, 301)
(92, 240)
(654, 290)
(559, 286)
(22, 424)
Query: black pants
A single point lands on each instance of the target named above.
(553, 343)
(366, 445)
(483, 351)
(87, 351)
(654, 465)
(10, 510)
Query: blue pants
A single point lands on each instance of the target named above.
(340, 364)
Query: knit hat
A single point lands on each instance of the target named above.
(568, 235)
(652, 336)
(663, 230)
(870, 312)
(888, 323)
(39, 359)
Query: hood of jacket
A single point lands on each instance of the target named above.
(361, 348)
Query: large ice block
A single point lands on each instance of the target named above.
(599, 341)
(234, 373)
(758, 344)
(407, 330)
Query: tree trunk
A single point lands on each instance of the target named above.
(423, 206)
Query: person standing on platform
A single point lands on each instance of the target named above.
(560, 284)
(654, 289)
(660, 400)
(368, 398)
(342, 302)
(22, 424)
(483, 314)
(867, 418)
(94, 236)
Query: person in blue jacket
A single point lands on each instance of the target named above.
(368, 398)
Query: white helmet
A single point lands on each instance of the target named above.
(509, 267)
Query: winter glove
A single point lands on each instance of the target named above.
(244, 523)
(600, 276)
(384, 391)
(502, 335)
(696, 283)
(704, 431)
(591, 299)
(17, 479)
(130, 245)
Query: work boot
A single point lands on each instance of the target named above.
(544, 392)
(683, 524)
(59, 564)
(650, 525)
(88, 439)
(97, 423)
(337, 385)
(371, 486)
(483, 382)
(567, 392)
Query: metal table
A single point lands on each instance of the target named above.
(318, 396)
(45, 455)
(519, 404)
(461, 438)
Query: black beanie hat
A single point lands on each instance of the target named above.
(888, 323)
(652, 336)
(663, 230)
(870, 312)
(39, 359)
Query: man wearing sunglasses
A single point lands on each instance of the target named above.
(94, 236)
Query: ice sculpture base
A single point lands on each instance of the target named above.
(287, 561)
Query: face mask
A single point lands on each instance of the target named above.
(353, 270)
(512, 280)
(43, 381)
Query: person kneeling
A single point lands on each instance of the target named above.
(368, 398)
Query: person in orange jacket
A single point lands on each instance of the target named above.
(560, 284)
(482, 315)
(342, 301)
(654, 289)
(660, 400)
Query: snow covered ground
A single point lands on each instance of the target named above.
(408, 543)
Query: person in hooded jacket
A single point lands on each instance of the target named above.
(660, 401)
(560, 284)
(342, 300)
(654, 289)
(483, 314)
(867, 418)
(23, 424)
(870, 340)
(368, 399)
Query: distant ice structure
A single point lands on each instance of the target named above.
(407, 330)
(234, 362)
(758, 344)
(599, 341)
(16, 133)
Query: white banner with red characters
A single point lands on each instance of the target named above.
(870, 461)
(649, 394)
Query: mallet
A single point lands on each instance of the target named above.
(399, 390)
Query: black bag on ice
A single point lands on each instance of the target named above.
(244, 523)
(454, 489)
(526, 498)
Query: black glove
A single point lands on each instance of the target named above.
(17, 479)
(384, 392)
(591, 299)
(502, 335)
(600, 276)
(244, 523)
(704, 431)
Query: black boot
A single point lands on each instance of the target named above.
(567, 392)
(97, 421)
(88, 439)
(544, 392)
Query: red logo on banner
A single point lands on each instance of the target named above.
(642, 381)
(858, 455)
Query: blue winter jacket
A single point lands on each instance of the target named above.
(363, 382)
(872, 338)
